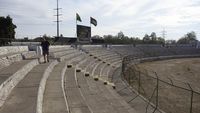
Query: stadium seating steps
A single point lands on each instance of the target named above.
(75, 80)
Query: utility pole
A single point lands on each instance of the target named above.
(57, 16)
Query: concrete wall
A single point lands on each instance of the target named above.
(34, 47)
(12, 49)
(59, 46)
(19, 49)
(24, 43)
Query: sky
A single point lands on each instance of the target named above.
(134, 18)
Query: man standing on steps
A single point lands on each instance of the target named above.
(45, 49)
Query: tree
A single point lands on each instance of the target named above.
(188, 38)
(120, 38)
(97, 39)
(191, 36)
(182, 41)
(160, 40)
(108, 39)
(7, 30)
(120, 35)
(146, 39)
(153, 38)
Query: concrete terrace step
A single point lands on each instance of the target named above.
(53, 96)
(75, 99)
(116, 60)
(52, 50)
(77, 59)
(90, 68)
(94, 68)
(86, 63)
(98, 97)
(93, 98)
(100, 69)
(63, 53)
(97, 70)
(26, 96)
(8, 59)
(12, 49)
(103, 54)
(119, 99)
(104, 72)
(28, 54)
(109, 56)
(109, 70)
(132, 98)
(110, 73)
(10, 76)
(112, 60)
(117, 63)
(69, 56)
(6, 72)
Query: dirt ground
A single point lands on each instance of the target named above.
(185, 70)
(180, 72)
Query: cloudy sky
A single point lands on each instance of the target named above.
(132, 17)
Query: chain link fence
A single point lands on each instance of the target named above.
(171, 96)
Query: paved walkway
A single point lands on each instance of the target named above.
(23, 98)
(75, 99)
(53, 96)
(8, 71)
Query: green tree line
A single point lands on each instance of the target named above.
(120, 38)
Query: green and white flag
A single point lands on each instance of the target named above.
(78, 18)
(93, 21)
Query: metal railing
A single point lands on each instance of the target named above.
(171, 96)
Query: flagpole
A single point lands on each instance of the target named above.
(76, 26)
(76, 29)
(90, 29)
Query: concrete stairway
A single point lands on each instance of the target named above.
(54, 95)
(91, 96)
(84, 95)
(99, 68)
(13, 72)
(61, 87)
